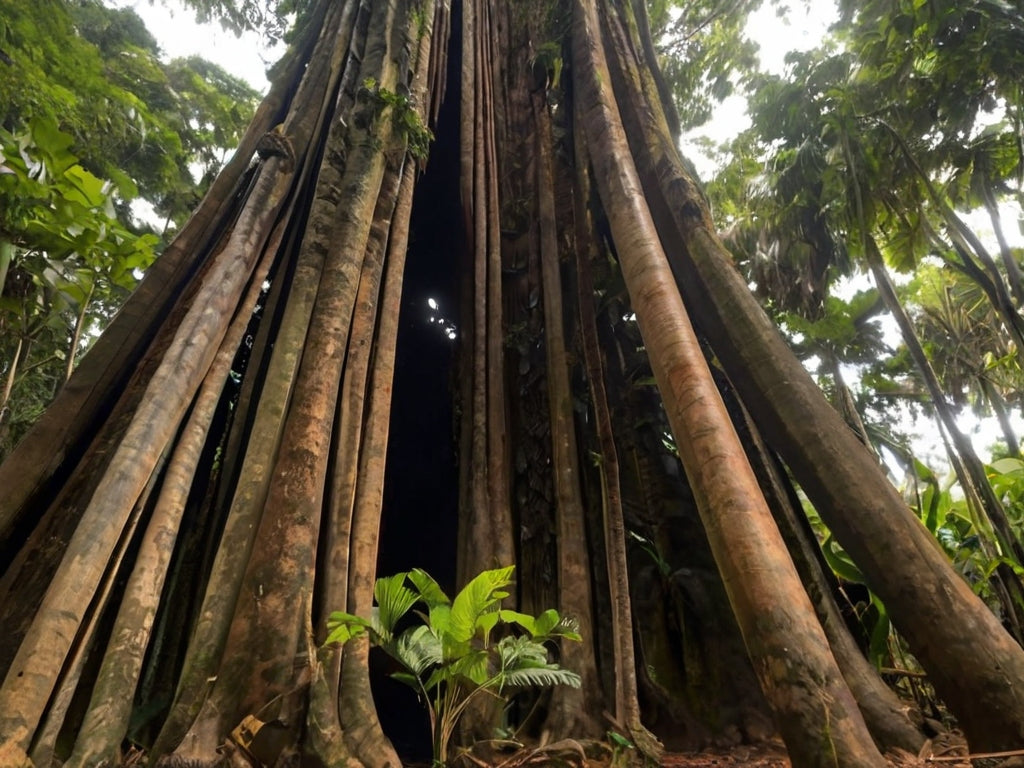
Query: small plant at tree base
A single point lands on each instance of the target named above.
(621, 747)
(449, 659)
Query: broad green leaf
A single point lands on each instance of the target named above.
(1007, 465)
(840, 562)
(430, 591)
(879, 643)
(394, 600)
(480, 595)
(547, 621)
(473, 666)
(524, 620)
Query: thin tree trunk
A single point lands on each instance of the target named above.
(12, 375)
(76, 335)
(573, 710)
(627, 702)
(1013, 272)
(998, 405)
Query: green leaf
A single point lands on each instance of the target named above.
(417, 649)
(473, 666)
(342, 627)
(408, 679)
(524, 620)
(840, 562)
(480, 595)
(394, 600)
(537, 676)
(430, 592)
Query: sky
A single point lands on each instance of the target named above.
(801, 29)
(179, 35)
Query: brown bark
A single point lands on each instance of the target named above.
(210, 634)
(815, 711)
(573, 710)
(903, 564)
(32, 675)
(893, 723)
(627, 703)
(107, 719)
(308, 437)
(485, 521)
(269, 628)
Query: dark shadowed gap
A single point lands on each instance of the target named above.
(420, 511)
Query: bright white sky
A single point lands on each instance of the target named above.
(801, 29)
(179, 35)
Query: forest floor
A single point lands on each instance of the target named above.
(946, 752)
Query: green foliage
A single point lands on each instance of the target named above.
(966, 345)
(66, 263)
(704, 52)
(969, 542)
(449, 659)
(96, 73)
(85, 97)
(274, 20)
(404, 116)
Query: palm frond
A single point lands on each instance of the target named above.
(550, 674)
(481, 595)
(394, 600)
(417, 649)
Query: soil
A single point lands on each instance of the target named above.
(946, 751)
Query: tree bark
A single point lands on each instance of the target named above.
(980, 681)
(814, 709)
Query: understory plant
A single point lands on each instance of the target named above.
(448, 657)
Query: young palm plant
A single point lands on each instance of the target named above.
(449, 659)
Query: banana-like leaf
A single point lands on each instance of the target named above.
(473, 666)
(524, 620)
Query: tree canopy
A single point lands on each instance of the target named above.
(93, 122)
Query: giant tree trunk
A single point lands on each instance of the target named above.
(211, 481)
